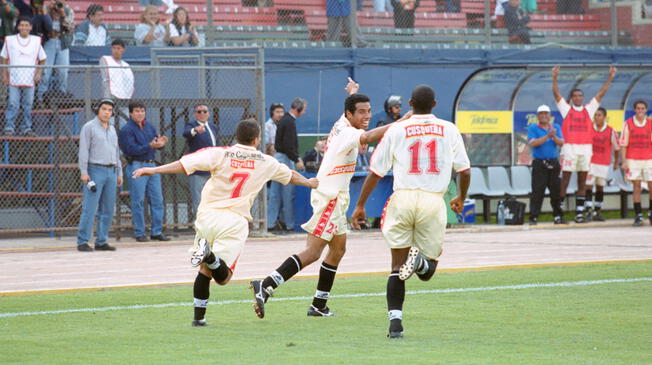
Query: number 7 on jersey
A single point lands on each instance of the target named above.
(240, 178)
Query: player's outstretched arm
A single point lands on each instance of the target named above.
(171, 168)
(376, 134)
(605, 87)
(555, 84)
(457, 203)
(358, 217)
(298, 179)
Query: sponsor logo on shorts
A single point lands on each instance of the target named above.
(343, 169)
(420, 130)
(238, 164)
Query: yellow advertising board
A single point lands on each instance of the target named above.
(616, 119)
(484, 121)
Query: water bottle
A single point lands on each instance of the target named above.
(500, 216)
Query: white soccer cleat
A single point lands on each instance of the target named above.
(412, 263)
(200, 252)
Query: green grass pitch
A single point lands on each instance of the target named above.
(586, 323)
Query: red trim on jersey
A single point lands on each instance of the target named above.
(325, 216)
(382, 216)
(235, 262)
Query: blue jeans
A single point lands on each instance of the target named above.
(280, 198)
(55, 57)
(196, 184)
(100, 203)
(149, 186)
(15, 95)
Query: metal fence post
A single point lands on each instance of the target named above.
(614, 24)
(487, 21)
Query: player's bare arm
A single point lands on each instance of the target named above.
(171, 168)
(605, 87)
(464, 180)
(359, 215)
(555, 84)
(298, 179)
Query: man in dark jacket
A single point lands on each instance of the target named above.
(199, 134)
(404, 13)
(312, 158)
(516, 20)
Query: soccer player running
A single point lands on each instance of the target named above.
(328, 224)
(605, 141)
(238, 173)
(636, 150)
(422, 151)
(577, 131)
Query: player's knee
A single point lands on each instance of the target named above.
(337, 252)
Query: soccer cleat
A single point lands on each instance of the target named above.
(588, 215)
(314, 312)
(395, 329)
(200, 252)
(638, 221)
(533, 221)
(559, 220)
(199, 323)
(413, 262)
(579, 218)
(597, 217)
(260, 296)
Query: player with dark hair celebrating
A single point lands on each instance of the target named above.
(328, 224)
(238, 173)
(422, 151)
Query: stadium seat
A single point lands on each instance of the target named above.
(623, 185)
(521, 178)
(479, 189)
(499, 180)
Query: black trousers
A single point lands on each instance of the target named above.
(545, 174)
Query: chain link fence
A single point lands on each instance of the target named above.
(40, 185)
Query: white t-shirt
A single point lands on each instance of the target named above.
(564, 107)
(238, 173)
(22, 52)
(96, 36)
(118, 79)
(159, 35)
(175, 33)
(422, 151)
(340, 156)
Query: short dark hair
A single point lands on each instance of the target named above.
(298, 104)
(422, 98)
(640, 102)
(273, 108)
(246, 131)
(576, 90)
(23, 18)
(105, 101)
(603, 110)
(118, 42)
(93, 9)
(352, 100)
(136, 104)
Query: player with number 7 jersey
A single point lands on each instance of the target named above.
(238, 173)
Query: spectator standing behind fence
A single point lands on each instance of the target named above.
(21, 49)
(337, 13)
(57, 47)
(516, 20)
(117, 77)
(101, 173)
(92, 31)
(41, 22)
(8, 15)
(545, 140)
(404, 13)
(199, 134)
(362, 162)
(139, 142)
(281, 197)
(180, 31)
(150, 32)
(313, 157)
(276, 112)
(392, 112)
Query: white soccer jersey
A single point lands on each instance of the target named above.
(22, 52)
(338, 165)
(422, 151)
(238, 173)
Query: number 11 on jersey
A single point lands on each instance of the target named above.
(415, 149)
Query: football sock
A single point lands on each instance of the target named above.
(219, 269)
(588, 203)
(395, 298)
(288, 269)
(599, 198)
(324, 285)
(649, 209)
(201, 293)
(210, 259)
(427, 274)
(637, 208)
(579, 202)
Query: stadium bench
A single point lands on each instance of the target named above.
(480, 190)
(499, 180)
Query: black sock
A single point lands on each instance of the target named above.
(589, 198)
(637, 208)
(324, 285)
(649, 209)
(288, 269)
(210, 258)
(201, 291)
(221, 272)
(579, 202)
(395, 298)
(427, 275)
(599, 198)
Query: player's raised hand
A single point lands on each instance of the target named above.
(612, 71)
(313, 183)
(555, 71)
(457, 204)
(144, 171)
(352, 87)
(358, 218)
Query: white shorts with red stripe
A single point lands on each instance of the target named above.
(328, 215)
(225, 230)
(576, 157)
(415, 218)
(639, 170)
(597, 175)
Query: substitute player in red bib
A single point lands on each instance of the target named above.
(578, 137)
(422, 151)
(636, 150)
(238, 173)
(328, 224)
(605, 142)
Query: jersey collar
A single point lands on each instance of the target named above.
(595, 127)
(637, 123)
(251, 148)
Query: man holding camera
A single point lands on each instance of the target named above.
(101, 172)
(57, 47)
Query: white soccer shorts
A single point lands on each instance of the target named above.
(225, 230)
(575, 157)
(639, 170)
(328, 215)
(597, 175)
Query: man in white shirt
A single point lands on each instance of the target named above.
(422, 151)
(117, 77)
(21, 49)
(92, 31)
(238, 173)
(276, 112)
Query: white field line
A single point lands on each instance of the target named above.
(358, 295)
